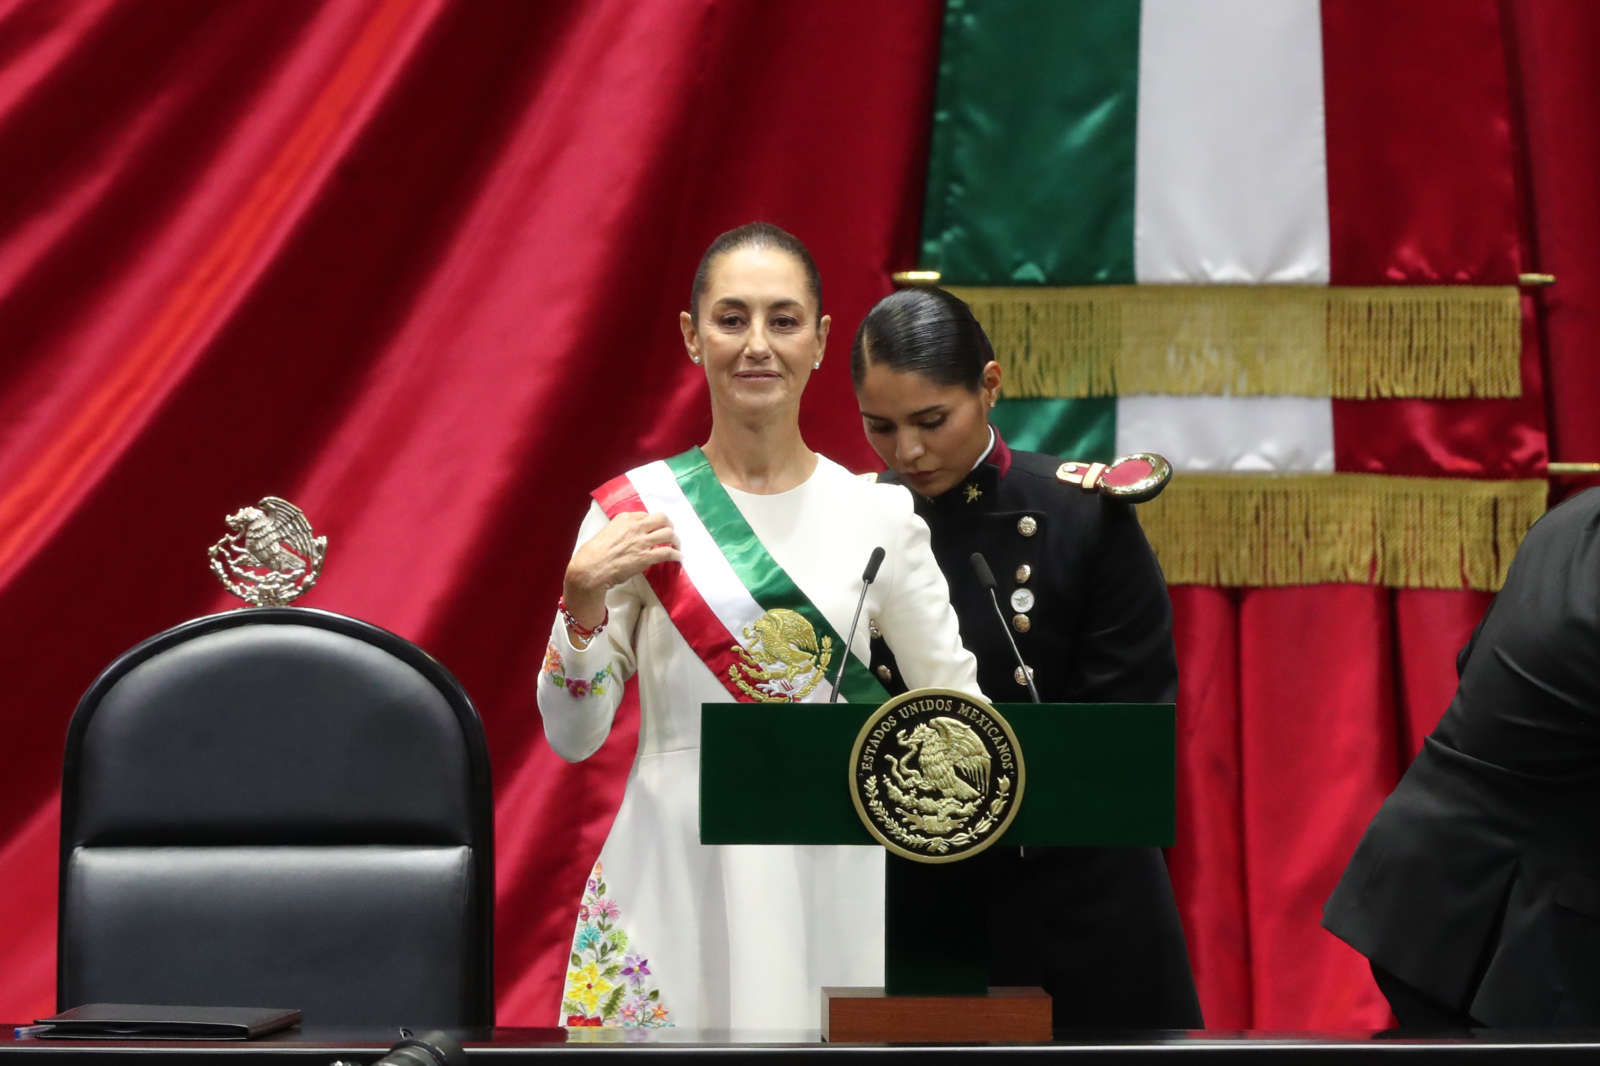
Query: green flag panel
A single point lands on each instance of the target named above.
(1030, 173)
(1073, 429)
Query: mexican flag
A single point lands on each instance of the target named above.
(1250, 237)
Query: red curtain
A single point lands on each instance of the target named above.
(1298, 710)
(416, 266)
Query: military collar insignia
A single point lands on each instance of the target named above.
(976, 486)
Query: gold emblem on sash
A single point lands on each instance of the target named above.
(781, 660)
(936, 775)
(271, 556)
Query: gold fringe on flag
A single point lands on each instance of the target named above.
(1253, 530)
(1255, 340)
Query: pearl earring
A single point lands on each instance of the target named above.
(817, 365)
(695, 359)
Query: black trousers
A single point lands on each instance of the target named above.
(1097, 928)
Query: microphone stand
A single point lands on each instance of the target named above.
(867, 577)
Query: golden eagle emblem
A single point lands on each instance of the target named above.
(951, 769)
(936, 775)
(781, 659)
(270, 557)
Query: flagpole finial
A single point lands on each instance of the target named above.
(915, 277)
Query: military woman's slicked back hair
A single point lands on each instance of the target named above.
(754, 235)
(925, 330)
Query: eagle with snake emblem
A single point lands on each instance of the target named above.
(271, 556)
(781, 659)
(951, 773)
(936, 774)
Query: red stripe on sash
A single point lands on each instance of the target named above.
(694, 619)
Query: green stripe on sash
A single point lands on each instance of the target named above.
(769, 585)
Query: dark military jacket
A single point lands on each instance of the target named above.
(1078, 586)
(1080, 591)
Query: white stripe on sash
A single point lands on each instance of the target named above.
(703, 562)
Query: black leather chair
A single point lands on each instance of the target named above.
(279, 807)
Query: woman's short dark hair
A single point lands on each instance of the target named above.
(925, 330)
(754, 235)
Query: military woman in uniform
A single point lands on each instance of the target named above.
(1085, 600)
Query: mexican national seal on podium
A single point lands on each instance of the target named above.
(936, 775)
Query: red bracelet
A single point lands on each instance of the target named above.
(582, 630)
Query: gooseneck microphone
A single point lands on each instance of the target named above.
(435, 1048)
(874, 561)
(980, 566)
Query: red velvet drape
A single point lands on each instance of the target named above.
(416, 264)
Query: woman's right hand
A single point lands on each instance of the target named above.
(629, 544)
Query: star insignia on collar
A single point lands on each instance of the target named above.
(972, 491)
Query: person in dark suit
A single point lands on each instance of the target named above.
(1098, 928)
(1475, 892)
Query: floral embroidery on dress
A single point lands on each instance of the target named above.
(609, 982)
(555, 671)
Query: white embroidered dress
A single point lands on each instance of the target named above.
(736, 936)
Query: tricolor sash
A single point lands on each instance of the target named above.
(752, 626)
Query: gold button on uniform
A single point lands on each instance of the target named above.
(1027, 525)
(872, 629)
(885, 674)
(1024, 572)
(1020, 678)
(1020, 623)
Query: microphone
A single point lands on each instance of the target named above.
(430, 1049)
(868, 575)
(980, 566)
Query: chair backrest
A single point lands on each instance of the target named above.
(279, 807)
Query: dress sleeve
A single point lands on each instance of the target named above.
(579, 688)
(915, 615)
(1126, 653)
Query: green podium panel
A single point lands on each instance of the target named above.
(1095, 774)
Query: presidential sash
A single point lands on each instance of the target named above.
(751, 625)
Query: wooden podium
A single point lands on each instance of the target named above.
(1098, 775)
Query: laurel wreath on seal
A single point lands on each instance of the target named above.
(937, 845)
(929, 808)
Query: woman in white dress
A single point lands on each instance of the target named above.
(730, 572)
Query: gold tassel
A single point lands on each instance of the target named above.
(1255, 340)
(1255, 530)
